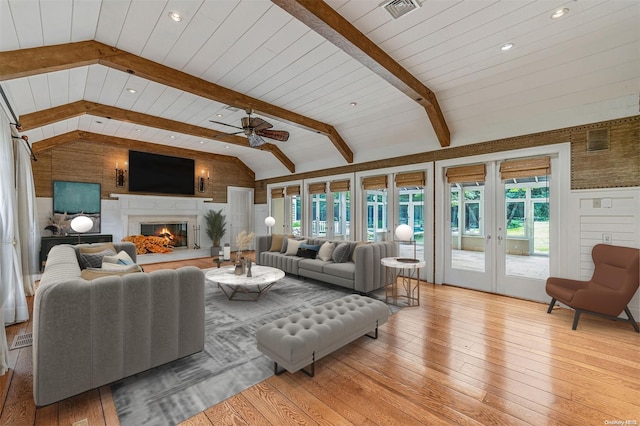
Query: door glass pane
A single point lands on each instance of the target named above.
(527, 227)
(319, 215)
(411, 212)
(467, 213)
(296, 215)
(376, 214)
(342, 215)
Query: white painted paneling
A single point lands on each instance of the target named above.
(8, 32)
(27, 23)
(112, 17)
(85, 19)
(141, 18)
(56, 28)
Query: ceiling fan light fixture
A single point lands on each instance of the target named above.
(507, 46)
(559, 13)
(175, 16)
(130, 90)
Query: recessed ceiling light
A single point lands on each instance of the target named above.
(226, 147)
(220, 115)
(172, 137)
(175, 16)
(353, 103)
(559, 13)
(506, 46)
(201, 141)
(138, 130)
(131, 90)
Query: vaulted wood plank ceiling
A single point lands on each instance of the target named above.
(581, 68)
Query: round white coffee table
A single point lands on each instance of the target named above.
(241, 287)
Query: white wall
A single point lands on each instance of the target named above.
(596, 214)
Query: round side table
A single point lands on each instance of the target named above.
(408, 270)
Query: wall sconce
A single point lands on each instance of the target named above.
(120, 174)
(201, 181)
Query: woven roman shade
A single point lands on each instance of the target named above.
(525, 167)
(404, 180)
(293, 190)
(374, 182)
(277, 192)
(474, 173)
(339, 186)
(318, 188)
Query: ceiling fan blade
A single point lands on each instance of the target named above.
(225, 124)
(278, 135)
(255, 140)
(259, 124)
(227, 134)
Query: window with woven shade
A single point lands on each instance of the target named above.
(410, 179)
(277, 192)
(472, 173)
(293, 190)
(340, 186)
(318, 188)
(525, 167)
(374, 182)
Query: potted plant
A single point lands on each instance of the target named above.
(216, 228)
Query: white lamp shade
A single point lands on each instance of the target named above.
(81, 224)
(269, 221)
(404, 233)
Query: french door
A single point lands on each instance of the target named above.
(498, 226)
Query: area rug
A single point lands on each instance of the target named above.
(230, 363)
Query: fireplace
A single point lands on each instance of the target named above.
(175, 234)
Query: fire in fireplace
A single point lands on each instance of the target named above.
(174, 233)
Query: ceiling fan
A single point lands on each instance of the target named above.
(255, 129)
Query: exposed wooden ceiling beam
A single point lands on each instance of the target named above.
(63, 112)
(321, 18)
(79, 135)
(38, 60)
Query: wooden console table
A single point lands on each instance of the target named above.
(47, 242)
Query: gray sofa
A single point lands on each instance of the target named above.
(363, 275)
(89, 333)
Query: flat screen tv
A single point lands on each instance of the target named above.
(161, 174)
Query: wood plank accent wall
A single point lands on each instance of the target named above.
(92, 158)
(617, 167)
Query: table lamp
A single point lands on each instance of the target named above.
(269, 221)
(81, 224)
(404, 234)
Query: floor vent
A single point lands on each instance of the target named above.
(598, 140)
(22, 341)
(398, 8)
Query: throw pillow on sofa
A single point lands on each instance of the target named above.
(342, 253)
(122, 258)
(93, 273)
(93, 259)
(308, 251)
(326, 250)
(276, 242)
(293, 246)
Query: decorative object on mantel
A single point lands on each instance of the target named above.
(216, 229)
(149, 244)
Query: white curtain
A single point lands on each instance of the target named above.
(14, 302)
(29, 230)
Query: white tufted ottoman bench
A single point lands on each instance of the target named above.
(303, 338)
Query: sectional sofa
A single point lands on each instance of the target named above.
(359, 269)
(90, 332)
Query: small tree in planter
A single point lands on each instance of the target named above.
(216, 228)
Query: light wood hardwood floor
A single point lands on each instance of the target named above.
(461, 357)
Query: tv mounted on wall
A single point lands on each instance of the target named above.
(161, 174)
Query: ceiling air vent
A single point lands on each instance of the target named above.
(398, 8)
(597, 140)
